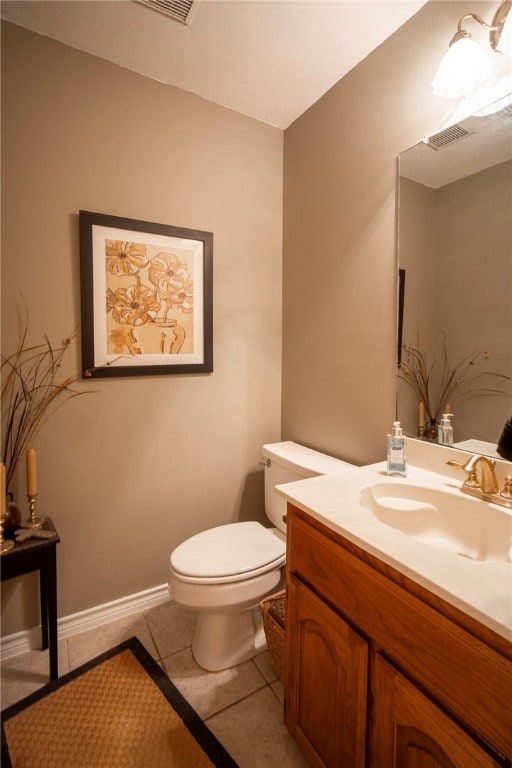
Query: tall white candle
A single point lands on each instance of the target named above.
(31, 472)
(421, 415)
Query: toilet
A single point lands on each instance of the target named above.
(223, 573)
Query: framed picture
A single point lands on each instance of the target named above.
(146, 294)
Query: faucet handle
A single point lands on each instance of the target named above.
(507, 489)
(471, 480)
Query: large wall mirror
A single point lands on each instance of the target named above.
(455, 259)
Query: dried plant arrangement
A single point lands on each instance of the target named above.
(31, 392)
(458, 382)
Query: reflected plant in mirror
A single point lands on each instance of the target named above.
(439, 387)
(455, 246)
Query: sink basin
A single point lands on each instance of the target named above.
(445, 520)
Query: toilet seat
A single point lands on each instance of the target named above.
(232, 552)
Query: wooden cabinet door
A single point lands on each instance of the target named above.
(409, 731)
(326, 685)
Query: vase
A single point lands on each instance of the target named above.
(430, 432)
(12, 518)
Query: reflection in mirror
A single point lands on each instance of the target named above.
(455, 245)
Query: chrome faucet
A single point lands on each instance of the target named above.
(486, 486)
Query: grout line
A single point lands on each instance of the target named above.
(180, 650)
(157, 649)
(276, 694)
(268, 682)
(234, 703)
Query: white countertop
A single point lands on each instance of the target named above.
(481, 588)
(478, 446)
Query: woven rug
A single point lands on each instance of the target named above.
(119, 710)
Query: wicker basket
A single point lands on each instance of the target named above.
(273, 613)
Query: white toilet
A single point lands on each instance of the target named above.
(224, 572)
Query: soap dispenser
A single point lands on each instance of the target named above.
(445, 430)
(397, 451)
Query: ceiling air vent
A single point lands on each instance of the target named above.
(448, 136)
(179, 10)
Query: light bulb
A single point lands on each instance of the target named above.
(463, 68)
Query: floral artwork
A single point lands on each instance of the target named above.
(149, 299)
(146, 297)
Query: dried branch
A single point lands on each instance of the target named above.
(453, 382)
(31, 392)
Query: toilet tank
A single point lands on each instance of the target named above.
(288, 461)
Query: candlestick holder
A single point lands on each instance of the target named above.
(34, 522)
(421, 432)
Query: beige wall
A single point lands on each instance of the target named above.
(339, 271)
(416, 230)
(474, 290)
(455, 244)
(133, 469)
(130, 471)
(417, 256)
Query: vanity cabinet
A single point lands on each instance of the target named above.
(327, 690)
(409, 731)
(382, 673)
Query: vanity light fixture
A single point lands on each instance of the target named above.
(466, 66)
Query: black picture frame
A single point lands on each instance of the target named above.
(401, 302)
(146, 297)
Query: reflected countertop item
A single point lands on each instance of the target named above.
(423, 526)
(478, 446)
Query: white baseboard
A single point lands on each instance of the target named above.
(30, 639)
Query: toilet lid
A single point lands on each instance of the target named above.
(228, 550)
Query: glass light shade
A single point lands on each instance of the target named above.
(505, 43)
(463, 68)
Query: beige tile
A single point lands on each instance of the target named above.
(26, 673)
(278, 689)
(209, 692)
(254, 734)
(93, 642)
(242, 704)
(262, 661)
(172, 627)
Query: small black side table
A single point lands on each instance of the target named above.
(39, 555)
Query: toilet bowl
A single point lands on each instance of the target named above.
(223, 573)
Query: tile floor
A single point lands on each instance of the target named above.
(242, 706)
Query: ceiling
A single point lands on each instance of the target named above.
(479, 142)
(268, 59)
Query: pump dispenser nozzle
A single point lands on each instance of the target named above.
(397, 429)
